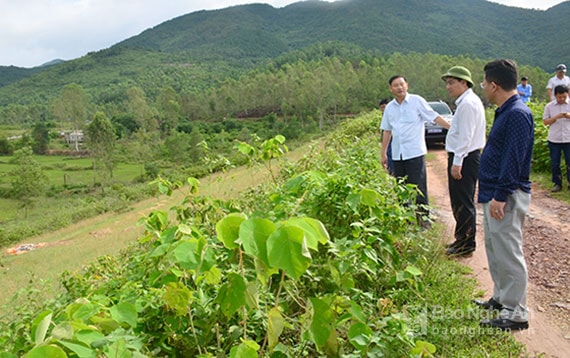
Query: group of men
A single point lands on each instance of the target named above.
(501, 166)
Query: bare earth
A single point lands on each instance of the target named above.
(547, 252)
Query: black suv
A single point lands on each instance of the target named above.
(434, 132)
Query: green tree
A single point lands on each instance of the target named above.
(101, 141)
(29, 180)
(40, 136)
(72, 106)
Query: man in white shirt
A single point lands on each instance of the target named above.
(557, 117)
(559, 79)
(403, 121)
(463, 143)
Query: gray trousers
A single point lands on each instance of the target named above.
(504, 246)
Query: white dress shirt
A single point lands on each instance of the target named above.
(406, 121)
(468, 127)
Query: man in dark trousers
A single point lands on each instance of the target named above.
(463, 143)
(504, 191)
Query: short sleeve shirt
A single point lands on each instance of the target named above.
(555, 81)
(559, 131)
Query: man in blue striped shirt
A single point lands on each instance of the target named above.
(504, 191)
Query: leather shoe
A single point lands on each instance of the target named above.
(556, 188)
(489, 305)
(460, 251)
(505, 324)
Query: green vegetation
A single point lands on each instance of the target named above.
(279, 272)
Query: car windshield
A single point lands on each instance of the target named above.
(440, 108)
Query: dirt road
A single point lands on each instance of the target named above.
(547, 253)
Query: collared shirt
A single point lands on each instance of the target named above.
(526, 92)
(559, 131)
(467, 132)
(555, 81)
(406, 121)
(505, 162)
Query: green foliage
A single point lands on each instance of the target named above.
(28, 180)
(541, 153)
(280, 272)
(40, 137)
(101, 141)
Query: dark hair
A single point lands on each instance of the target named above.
(396, 77)
(383, 101)
(524, 78)
(503, 72)
(560, 89)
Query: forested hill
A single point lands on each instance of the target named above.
(200, 49)
(475, 27)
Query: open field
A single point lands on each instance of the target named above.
(72, 247)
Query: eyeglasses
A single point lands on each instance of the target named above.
(482, 84)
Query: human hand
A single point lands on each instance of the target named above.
(456, 172)
(497, 209)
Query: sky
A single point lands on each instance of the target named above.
(33, 32)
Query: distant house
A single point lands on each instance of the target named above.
(73, 137)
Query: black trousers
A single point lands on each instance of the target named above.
(462, 195)
(414, 172)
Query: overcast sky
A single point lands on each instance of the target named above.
(33, 32)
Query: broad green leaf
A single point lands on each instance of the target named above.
(280, 138)
(63, 330)
(353, 200)
(46, 352)
(359, 335)
(414, 271)
(194, 185)
(124, 312)
(287, 250)
(275, 325)
(228, 229)
(295, 184)
(84, 311)
(315, 231)
(246, 349)
(253, 234)
(40, 326)
(187, 254)
(231, 295)
(7, 355)
(369, 197)
(322, 323)
(356, 312)
(81, 350)
(213, 276)
(264, 272)
(119, 350)
(105, 324)
(178, 297)
(88, 336)
(251, 296)
(168, 235)
(423, 348)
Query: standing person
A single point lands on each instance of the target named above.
(403, 122)
(383, 103)
(463, 143)
(559, 79)
(557, 116)
(504, 191)
(524, 89)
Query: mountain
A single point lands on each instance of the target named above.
(453, 27)
(200, 49)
